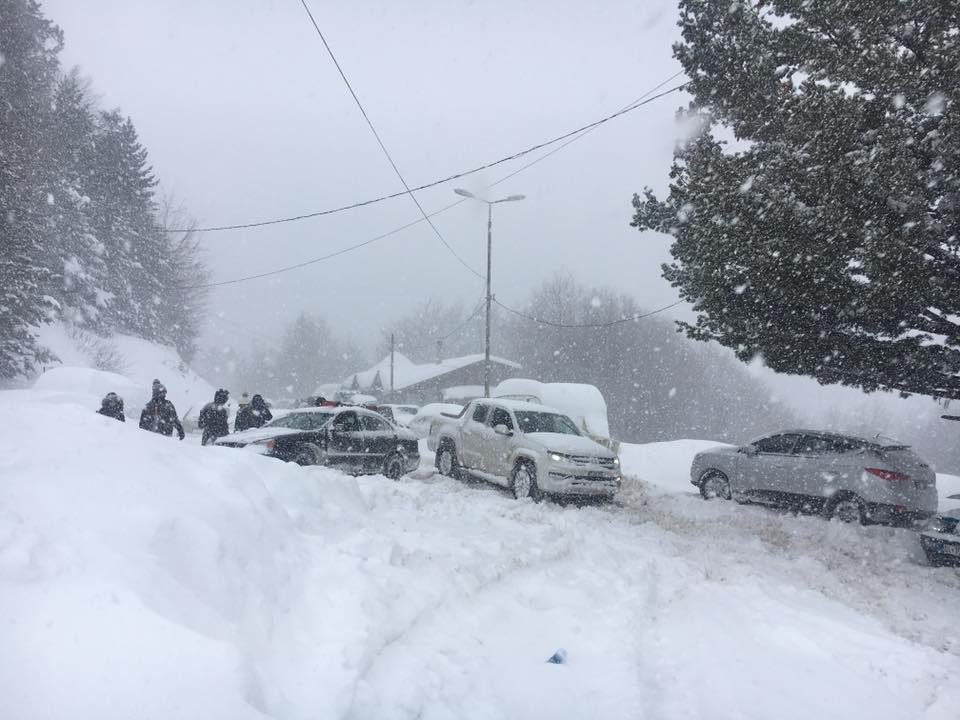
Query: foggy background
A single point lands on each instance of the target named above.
(246, 119)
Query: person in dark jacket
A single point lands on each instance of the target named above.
(213, 418)
(112, 407)
(159, 415)
(254, 415)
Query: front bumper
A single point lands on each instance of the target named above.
(940, 546)
(588, 480)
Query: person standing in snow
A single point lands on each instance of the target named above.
(112, 407)
(213, 418)
(254, 415)
(159, 415)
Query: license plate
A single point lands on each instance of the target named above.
(951, 549)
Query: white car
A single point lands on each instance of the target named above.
(531, 449)
(430, 413)
(398, 414)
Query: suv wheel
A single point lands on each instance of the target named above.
(714, 484)
(846, 509)
(308, 454)
(393, 467)
(447, 463)
(524, 482)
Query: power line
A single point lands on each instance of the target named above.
(318, 213)
(453, 332)
(287, 268)
(384, 147)
(631, 318)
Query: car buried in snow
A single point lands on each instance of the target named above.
(531, 449)
(352, 439)
(849, 478)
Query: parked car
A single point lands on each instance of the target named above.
(940, 539)
(398, 414)
(429, 414)
(852, 479)
(532, 449)
(349, 438)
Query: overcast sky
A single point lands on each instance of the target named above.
(246, 118)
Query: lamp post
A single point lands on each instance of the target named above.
(486, 344)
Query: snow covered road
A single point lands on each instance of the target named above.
(140, 577)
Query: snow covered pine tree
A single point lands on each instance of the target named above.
(827, 240)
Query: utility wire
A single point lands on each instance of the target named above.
(287, 268)
(453, 332)
(455, 176)
(550, 323)
(384, 147)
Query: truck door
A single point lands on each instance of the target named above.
(496, 448)
(471, 436)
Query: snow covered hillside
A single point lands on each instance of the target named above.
(140, 363)
(142, 577)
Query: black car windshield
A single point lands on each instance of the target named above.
(303, 420)
(534, 422)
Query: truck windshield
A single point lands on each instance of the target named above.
(534, 422)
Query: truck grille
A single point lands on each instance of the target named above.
(590, 460)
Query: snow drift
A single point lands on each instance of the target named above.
(143, 577)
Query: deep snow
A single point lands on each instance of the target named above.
(142, 577)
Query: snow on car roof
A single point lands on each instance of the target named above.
(515, 405)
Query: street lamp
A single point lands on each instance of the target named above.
(490, 204)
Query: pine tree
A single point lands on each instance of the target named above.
(827, 241)
(29, 44)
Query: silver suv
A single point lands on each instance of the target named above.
(529, 448)
(850, 478)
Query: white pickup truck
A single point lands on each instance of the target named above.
(532, 449)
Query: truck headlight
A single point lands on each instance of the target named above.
(616, 461)
(556, 457)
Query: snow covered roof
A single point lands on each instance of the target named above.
(407, 373)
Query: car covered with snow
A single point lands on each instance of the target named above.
(940, 538)
(845, 477)
(430, 413)
(582, 403)
(534, 450)
(398, 414)
(351, 439)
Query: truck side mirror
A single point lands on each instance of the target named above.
(502, 429)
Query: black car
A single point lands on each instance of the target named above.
(352, 439)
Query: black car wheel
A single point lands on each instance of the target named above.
(393, 467)
(714, 484)
(308, 454)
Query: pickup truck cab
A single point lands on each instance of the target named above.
(529, 448)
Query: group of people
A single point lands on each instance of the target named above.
(160, 416)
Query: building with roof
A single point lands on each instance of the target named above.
(423, 383)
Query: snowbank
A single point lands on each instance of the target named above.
(143, 577)
(140, 363)
(664, 465)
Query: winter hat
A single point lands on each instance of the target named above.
(221, 396)
(244, 399)
(111, 398)
(158, 388)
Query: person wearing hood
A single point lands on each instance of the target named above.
(254, 415)
(159, 415)
(112, 407)
(213, 417)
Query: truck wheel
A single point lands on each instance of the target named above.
(393, 467)
(447, 463)
(308, 454)
(524, 481)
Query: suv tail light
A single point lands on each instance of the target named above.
(887, 474)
